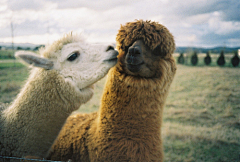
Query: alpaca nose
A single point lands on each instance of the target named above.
(109, 48)
(134, 55)
(135, 50)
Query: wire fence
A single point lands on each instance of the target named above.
(8, 158)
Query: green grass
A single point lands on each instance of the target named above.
(12, 76)
(7, 54)
(10, 64)
(201, 117)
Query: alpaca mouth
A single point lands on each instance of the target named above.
(90, 87)
(134, 68)
(113, 57)
(134, 63)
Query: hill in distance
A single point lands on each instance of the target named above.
(205, 50)
(178, 49)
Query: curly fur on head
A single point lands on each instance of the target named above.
(156, 36)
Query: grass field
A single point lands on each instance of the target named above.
(7, 54)
(201, 117)
(12, 76)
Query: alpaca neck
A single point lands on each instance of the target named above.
(33, 121)
(132, 106)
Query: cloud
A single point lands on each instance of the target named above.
(223, 27)
(232, 11)
(229, 9)
(16, 5)
(35, 39)
(98, 5)
(192, 22)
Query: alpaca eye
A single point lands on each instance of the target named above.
(73, 56)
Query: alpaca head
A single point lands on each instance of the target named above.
(143, 46)
(79, 63)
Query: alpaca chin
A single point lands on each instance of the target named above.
(133, 68)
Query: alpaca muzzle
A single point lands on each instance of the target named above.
(112, 57)
(134, 56)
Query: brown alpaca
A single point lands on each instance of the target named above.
(128, 125)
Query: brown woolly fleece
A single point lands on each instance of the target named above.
(127, 126)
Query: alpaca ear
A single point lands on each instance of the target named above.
(34, 59)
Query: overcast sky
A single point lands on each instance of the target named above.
(200, 23)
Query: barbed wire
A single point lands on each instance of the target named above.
(18, 158)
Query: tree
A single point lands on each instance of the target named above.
(221, 59)
(194, 59)
(181, 59)
(235, 60)
(207, 59)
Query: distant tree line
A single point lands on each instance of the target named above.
(21, 48)
(7, 53)
(221, 61)
(28, 48)
(205, 50)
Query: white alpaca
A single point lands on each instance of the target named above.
(63, 81)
